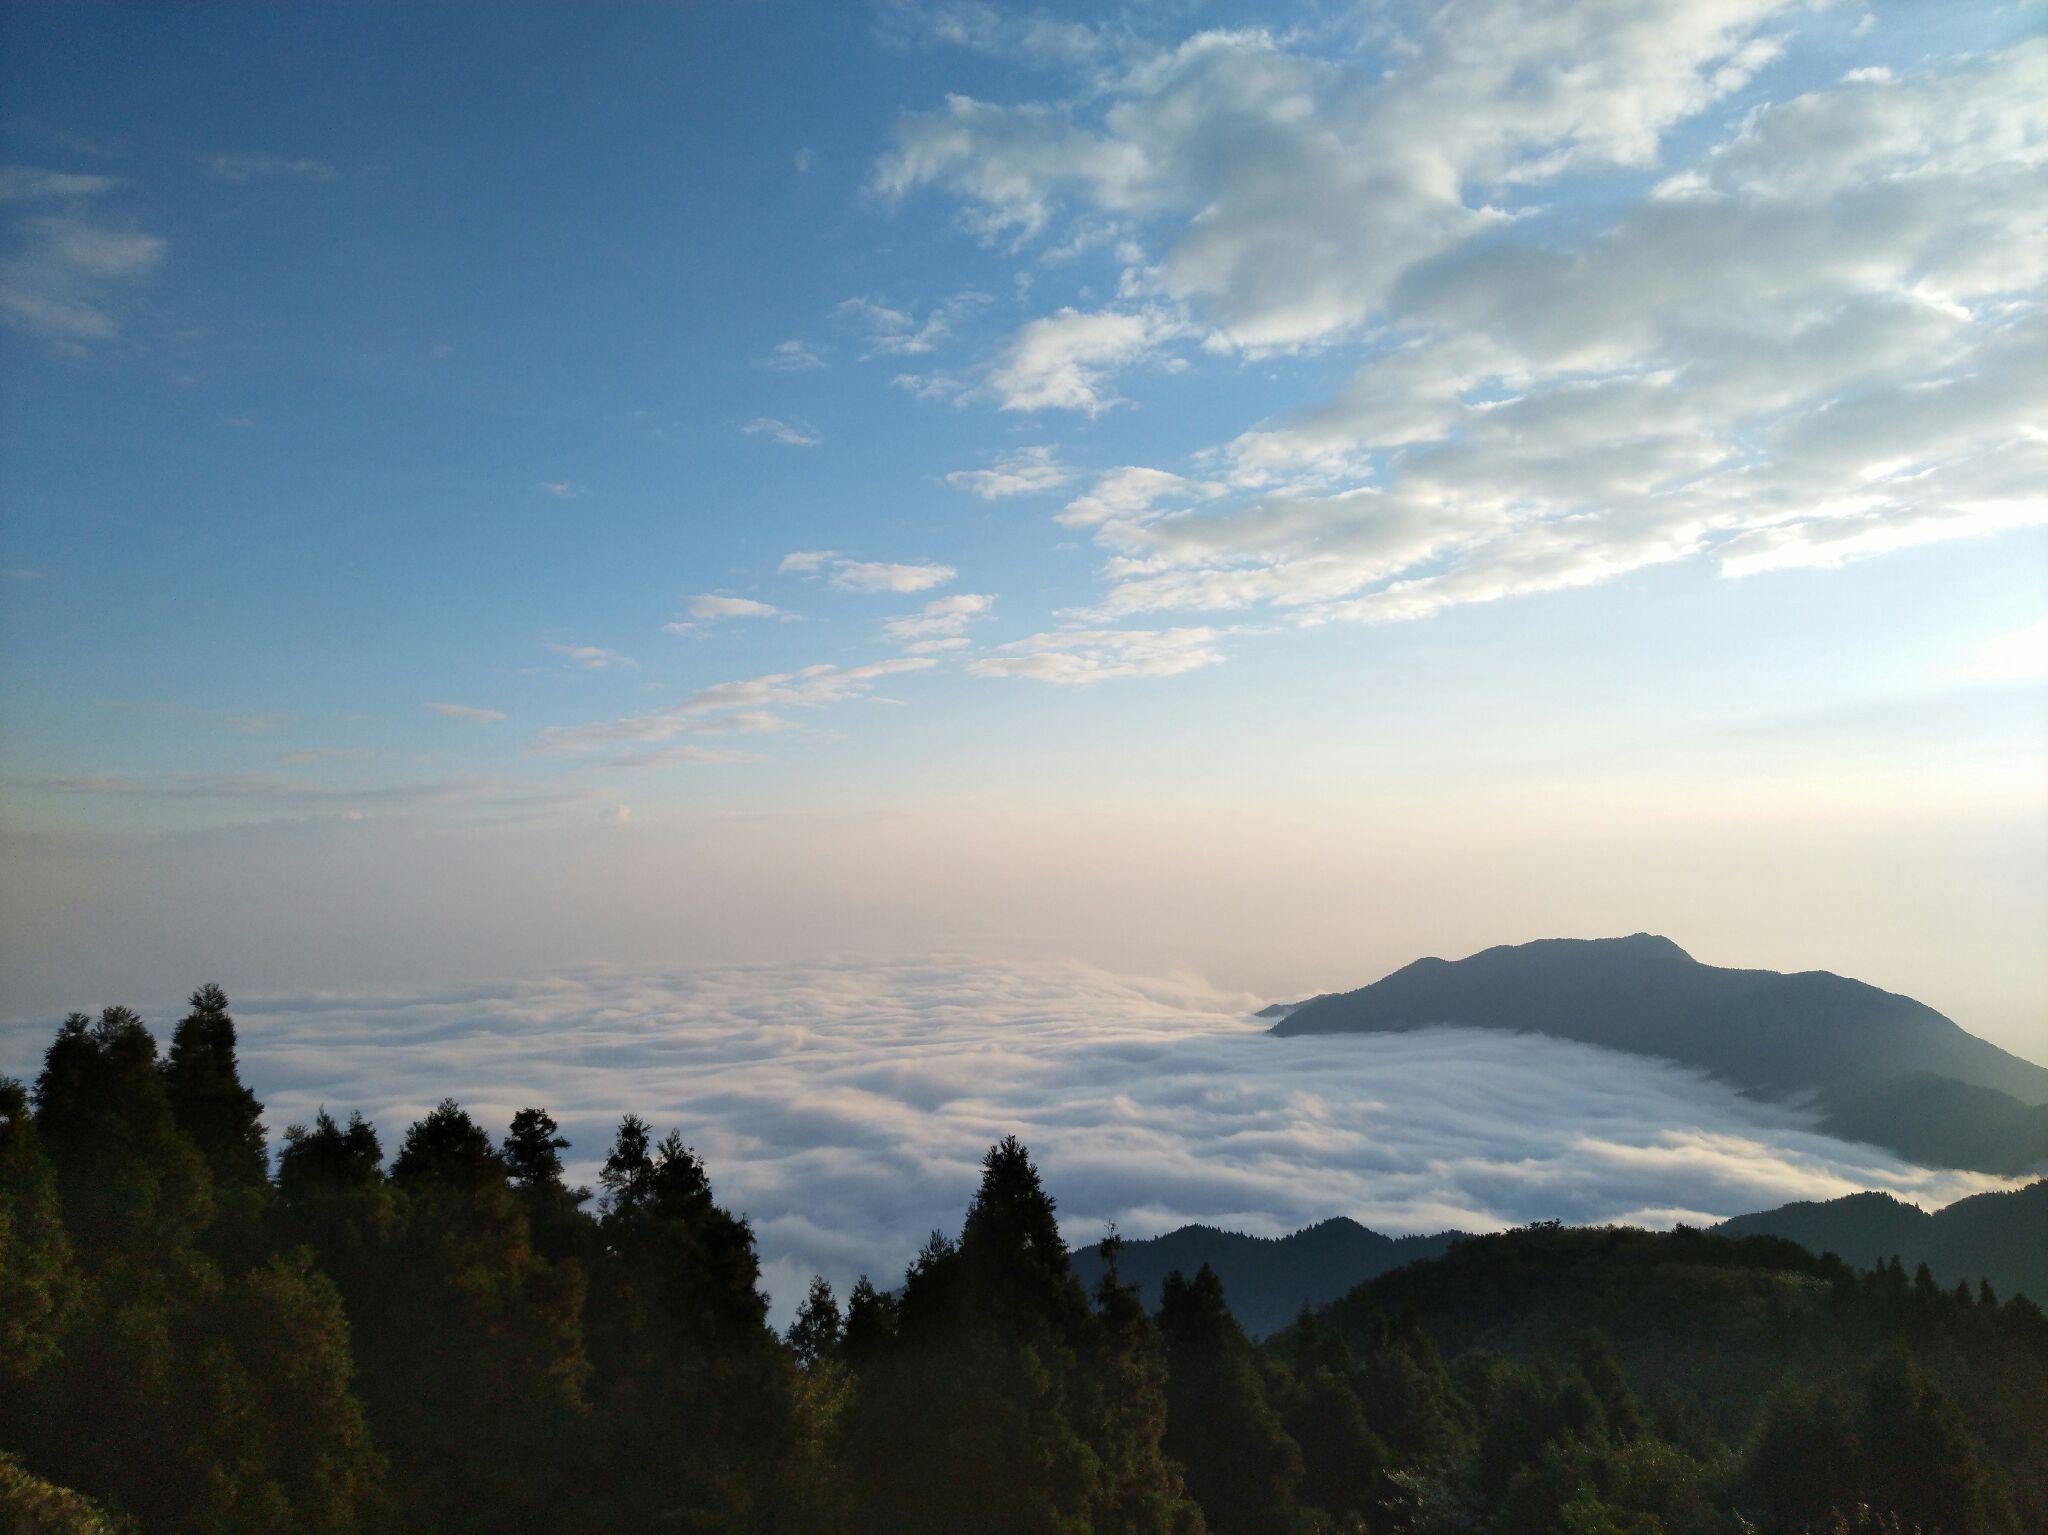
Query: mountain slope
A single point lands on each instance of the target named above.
(1884, 1068)
(1267, 1279)
(2002, 1237)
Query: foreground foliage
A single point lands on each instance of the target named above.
(457, 1340)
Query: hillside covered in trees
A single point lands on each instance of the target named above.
(194, 1338)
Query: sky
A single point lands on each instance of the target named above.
(1254, 493)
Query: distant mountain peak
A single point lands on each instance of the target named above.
(1886, 1069)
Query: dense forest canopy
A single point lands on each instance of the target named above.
(197, 1338)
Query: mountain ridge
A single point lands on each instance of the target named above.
(2000, 1236)
(1883, 1068)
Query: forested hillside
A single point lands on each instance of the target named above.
(193, 1339)
(1269, 1279)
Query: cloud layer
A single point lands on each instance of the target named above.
(1605, 319)
(844, 1107)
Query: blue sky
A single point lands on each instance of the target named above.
(1346, 482)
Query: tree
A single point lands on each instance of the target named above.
(39, 1285)
(972, 1404)
(1242, 1467)
(1919, 1462)
(814, 1335)
(473, 1426)
(1803, 1457)
(216, 1112)
(1123, 1415)
(532, 1152)
(679, 1333)
(127, 1176)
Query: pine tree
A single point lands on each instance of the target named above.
(1123, 1416)
(127, 1177)
(39, 1284)
(1242, 1467)
(474, 1426)
(215, 1111)
(814, 1335)
(678, 1330)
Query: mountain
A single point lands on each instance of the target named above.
(1881, 1067)
(1267, 1279)
(2002, 1237)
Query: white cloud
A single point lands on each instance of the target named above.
(1821, 338)
(69, 270)
(727, 708)
(263, 167)
(782, 432)
(20, 183)
(892, 332)
(805, 561)
(1081, 657)
(792, 357)
(2021, 656)
(563, 490)
(942, 624)
(987, 28)
(592, 658)
(307, 756)
(1028, 471)
(1065, 361)
(714, 607)
(844, 1108)
(870, 576)
(260, 793)
(1129, 492)
(685, 756)
(804, 160)
(467, 712)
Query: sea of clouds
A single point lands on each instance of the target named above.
(844, 1106)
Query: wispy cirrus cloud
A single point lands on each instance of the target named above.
(789, 435)
(71, 264)
(467, 712)
(269, 793)
(743, 707)
(888, 331)
(941, 624)
(590, 658)
(791, 357)
(1083, 657)
(708, 608)
(875, 576)
(245, 168)
(1027, 471)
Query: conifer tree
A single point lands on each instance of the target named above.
(126, 1175)
(695, 1390)
(814, 1335)
(215, 1111)
(1242, 1466)
(473, 1427)
(1123, 1416)
(38, 1282)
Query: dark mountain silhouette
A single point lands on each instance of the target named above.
(1267, 1279)
(2002, 1237)
(1942, 1122)
(1882, 1068)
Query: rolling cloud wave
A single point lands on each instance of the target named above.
(844, 1107)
